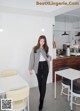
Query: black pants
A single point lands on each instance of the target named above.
(42, 78)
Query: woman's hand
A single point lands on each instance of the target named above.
(30, 72)
(49, 59)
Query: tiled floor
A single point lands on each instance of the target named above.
(50, 104)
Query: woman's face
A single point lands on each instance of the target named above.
(42, 42)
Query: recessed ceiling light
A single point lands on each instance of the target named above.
(42, 29)
(1, 30)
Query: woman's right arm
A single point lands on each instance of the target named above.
(31, 62)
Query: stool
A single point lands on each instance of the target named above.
(76, 92)
(65, 85)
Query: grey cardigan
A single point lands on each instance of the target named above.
(34, 59)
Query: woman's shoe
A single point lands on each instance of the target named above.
(41, 105)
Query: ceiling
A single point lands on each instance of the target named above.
(29, 7)
(30, 4)
(71, 16)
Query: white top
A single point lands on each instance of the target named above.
(12, 83)
(41, 57)
(70, 73)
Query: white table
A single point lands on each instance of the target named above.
(12, 83)
(69, 73)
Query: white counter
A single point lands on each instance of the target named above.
(76, 54)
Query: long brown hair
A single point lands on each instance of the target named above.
(45, 46)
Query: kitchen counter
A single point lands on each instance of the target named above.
(62, 62)
(76, 54)
(64, 56)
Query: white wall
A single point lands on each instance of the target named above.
(20, 34)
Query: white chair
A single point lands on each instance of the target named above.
(65, 85)
(2, 94)
(76, 92)
(9, 72)
(20, 99)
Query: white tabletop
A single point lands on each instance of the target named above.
(12, 83)
(71, 74)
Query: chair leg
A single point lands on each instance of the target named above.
(61, 90)
(28, 104)
(68, 93)
(72, 103)
(24, 109)
(75, 98)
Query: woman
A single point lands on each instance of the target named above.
(39, 62)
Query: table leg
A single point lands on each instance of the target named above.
(71, 94)
(55, 87)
